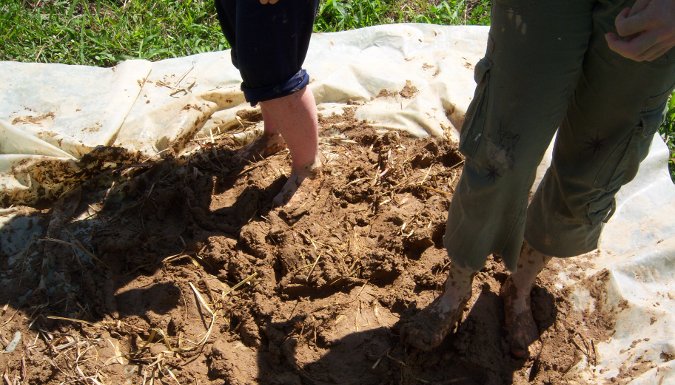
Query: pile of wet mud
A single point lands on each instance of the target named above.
(180, 270)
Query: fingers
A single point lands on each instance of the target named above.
(639, 6)
(645, 31)
(622, 47)
(271, 2)
(644, 47)
(628, 25)
(656, 51)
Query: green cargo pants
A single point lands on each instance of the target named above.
(548, 68)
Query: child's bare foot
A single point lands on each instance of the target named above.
(519, 322)
(294, 187)
(266, 145)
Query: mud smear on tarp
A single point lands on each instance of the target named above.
(180, 271)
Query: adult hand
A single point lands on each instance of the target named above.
(270, 2)
(645, 31)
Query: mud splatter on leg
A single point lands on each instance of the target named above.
(519, 321)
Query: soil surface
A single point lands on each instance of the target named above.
(180, 271)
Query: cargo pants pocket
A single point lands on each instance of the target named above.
(623, 165)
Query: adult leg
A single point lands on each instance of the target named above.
(534, 58)
(518, 318)
(617, 107)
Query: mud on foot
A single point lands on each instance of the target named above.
(428, 328)
(521, 329)
(266, 145)
(296, 188)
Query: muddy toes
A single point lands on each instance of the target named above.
(522, 333)
(521, 329)
(299, 187)
(415, 336)
(263, 147)
(293, 186)
(428, 328)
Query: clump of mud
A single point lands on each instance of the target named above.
(180, 270)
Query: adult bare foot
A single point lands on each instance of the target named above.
(428, 328)
(266, 145)
(294, 188)
(521, 329)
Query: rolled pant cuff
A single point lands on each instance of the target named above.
(569, 241)
(261, 94)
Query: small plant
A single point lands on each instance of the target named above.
(667, 131)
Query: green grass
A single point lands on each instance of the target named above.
(105, 32)
(336, 15)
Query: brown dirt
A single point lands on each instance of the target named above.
(180, 271)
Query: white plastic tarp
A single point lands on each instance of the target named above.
(52, 111)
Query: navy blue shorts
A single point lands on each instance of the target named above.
(269, 44)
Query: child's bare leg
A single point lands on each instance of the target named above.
(519, 321)
(428, 328)
(295, 118)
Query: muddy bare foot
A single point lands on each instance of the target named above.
(428, 328)
(522, 331)
(264, 146)
(296, 187)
